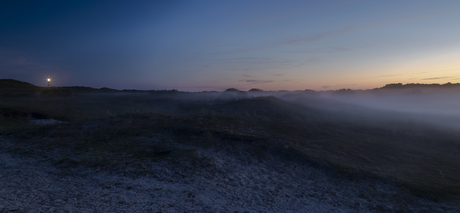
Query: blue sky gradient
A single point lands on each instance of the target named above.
(214, 45)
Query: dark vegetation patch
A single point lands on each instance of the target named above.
(119, 131)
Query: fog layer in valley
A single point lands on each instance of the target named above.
(437, 105)
(434, 106)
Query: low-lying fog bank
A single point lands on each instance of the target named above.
(420, 103)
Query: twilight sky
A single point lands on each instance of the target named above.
(214, 44)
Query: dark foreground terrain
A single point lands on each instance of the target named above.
(83, 149)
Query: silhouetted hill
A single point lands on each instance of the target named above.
(421, 86)
(14, 87)
(15, 84)
(10, 87)
(415, 89)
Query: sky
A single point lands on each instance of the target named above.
(209, 45)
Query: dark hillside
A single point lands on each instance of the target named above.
(422, 87)
(15, 84)
(10, 87)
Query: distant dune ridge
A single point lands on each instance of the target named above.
(421, 86)
(15, 84)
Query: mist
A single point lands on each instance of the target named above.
(428, 104)
(419, 104)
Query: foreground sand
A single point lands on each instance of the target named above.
(237, 183)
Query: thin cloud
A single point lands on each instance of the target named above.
(258, 81)
(286, 14)
(334, 33)
(253, 60)
(422, 16)
(392, 75)
(318, 37)
(238, 69)
(295, 41)
(254, 63)
(384, 76)
(324, 50)
(436, 78)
